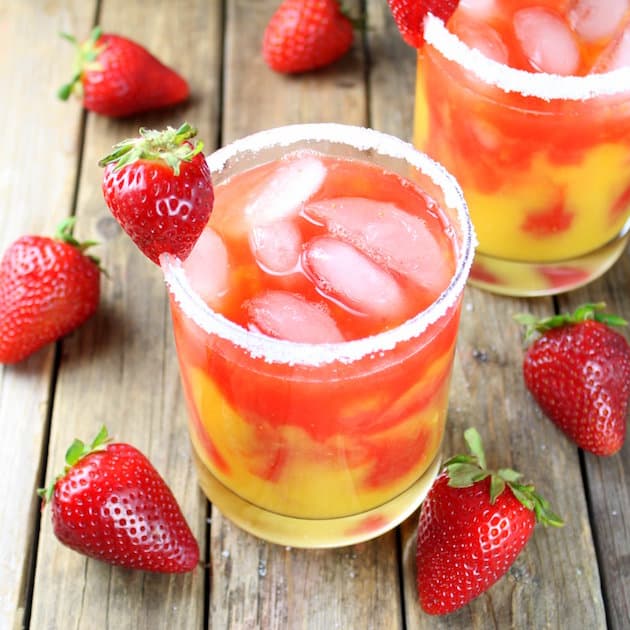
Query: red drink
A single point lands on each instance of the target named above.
(315, 323)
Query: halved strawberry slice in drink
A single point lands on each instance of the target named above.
(409, 16)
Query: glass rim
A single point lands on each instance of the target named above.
(286, 352)
(541, 85)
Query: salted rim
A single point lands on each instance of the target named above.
(307, 354)
(539, 84)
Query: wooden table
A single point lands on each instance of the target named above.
(120, 367)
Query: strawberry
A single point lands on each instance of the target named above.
(409, 16)
(578, 371)
(48, 287)
(117, 77)
(158, 187)
(473, 524)
(304, 35)
(111, 504)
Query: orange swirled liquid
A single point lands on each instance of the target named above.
(547, 181)
(332, 453)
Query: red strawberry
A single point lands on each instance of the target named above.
(578, 370)
(158, 187)
(117, 77)
(111, 504)
(473, 524)
(409, 16)
(304, 35)
(48, 287)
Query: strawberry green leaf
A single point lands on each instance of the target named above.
(590, 311)
(464, 475)
(66, 90)
(170, 146)
(497, 486)
(523, 495)
(76, 451)
(85, 53)
(101, 438)
(508, 474)
(461, 459)
(64, 233)
(473, 440)
(544, 514)
(466, 470)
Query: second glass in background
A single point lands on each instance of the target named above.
(544, 161)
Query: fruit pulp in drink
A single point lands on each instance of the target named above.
(313, 250)
(547, 180)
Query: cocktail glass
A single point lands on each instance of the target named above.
(544, 162)
(321, 444)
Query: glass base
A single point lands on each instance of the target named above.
(531, 279)
(315, 533)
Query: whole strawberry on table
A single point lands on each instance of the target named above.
(304, 35)
(111, 504)
(473, 524)
(49, 286)
(115, 76)
(578, 371)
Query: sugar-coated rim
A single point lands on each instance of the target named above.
(539, 84)
(307, 354)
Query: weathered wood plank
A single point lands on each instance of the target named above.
(542, 589)
(608, 478)
(37, 178)
(121, 368)
(256, 584)
(257, 98)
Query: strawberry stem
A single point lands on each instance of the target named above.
(64, 233)
(170, 145)
(86, 53)
(76, 451)
(466, 470)
(592, 310)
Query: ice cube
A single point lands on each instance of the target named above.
(350, 278)
(207, 266)
(616, 55)
(547, 41)
(478, 8)
(289, 316)
(388, 235)
(282, 196)
(593, 20)
(276, 246)
(477, 34)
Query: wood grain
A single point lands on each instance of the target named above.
(121, 368)
(487, 391)
(37, 180)
(608, 478)
(256, 584)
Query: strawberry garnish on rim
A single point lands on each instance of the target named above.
(159, 188)
(409, 16)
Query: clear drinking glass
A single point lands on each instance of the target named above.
(544, 162)
(319, 444)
